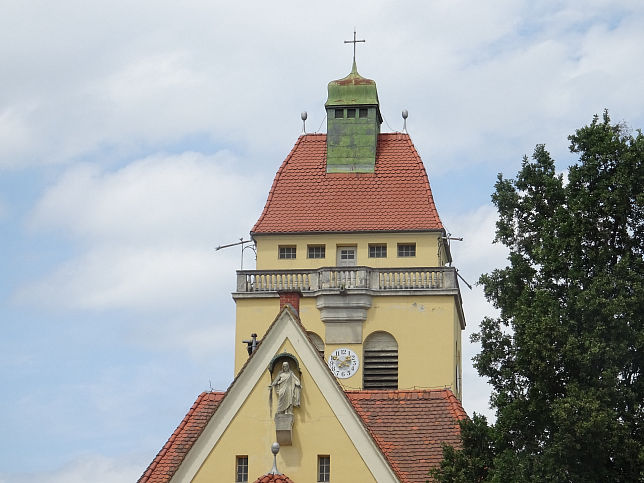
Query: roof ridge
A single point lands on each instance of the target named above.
(455, 406)
(426, 177)
(397, 391)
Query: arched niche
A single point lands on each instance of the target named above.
(317, 342)
(275, 365)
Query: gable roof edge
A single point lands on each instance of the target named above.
(287, 326)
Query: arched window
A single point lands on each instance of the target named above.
(317, 342)
(380, 369)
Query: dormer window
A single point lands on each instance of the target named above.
(339, 113)
(351, 113)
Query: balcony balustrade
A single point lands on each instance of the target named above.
(347, 278)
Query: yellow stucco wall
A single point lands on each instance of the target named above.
(429, 250)
(426, 329)
(254, 315)
(316, 431)
(458, 363)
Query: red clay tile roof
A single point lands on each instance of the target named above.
(167, 461)
(305, 198)
(274, 479)
(409, 426)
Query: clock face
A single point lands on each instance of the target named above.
(343, 363)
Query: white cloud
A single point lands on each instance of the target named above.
(475, 255)
(92, 85)
(111, 75)
(146, 232)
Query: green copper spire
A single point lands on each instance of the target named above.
(353, 124)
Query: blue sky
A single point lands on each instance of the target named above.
(136, 137)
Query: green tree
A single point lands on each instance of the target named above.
(564, 357)
(471, 464)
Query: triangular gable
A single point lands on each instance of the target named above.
(286, 327)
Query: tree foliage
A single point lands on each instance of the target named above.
(473, 462)
(564, 357)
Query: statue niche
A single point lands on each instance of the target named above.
(287, 387)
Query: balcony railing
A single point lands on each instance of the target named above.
(347, 278)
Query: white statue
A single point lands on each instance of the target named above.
(287, 387)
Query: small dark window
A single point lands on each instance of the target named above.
(324, 468)
(378, 250)
(364, 112)
(316, 251)
(351, 113)
(339, 113)
(241, 469)
(287, 252)
(406, 249)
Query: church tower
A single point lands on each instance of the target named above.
(350, 236)
(352, 317)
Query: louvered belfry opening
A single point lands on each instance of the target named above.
(380, 369)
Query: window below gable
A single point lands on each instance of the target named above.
(324, 468)
(241, 469)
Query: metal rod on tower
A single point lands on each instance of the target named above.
(240, 242)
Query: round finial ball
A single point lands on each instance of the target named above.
(275, 447)
(405, 114)
(304, 116)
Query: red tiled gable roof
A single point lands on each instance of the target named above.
(409, 426)
(167, 461)
(274, 479)
(305, 198)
